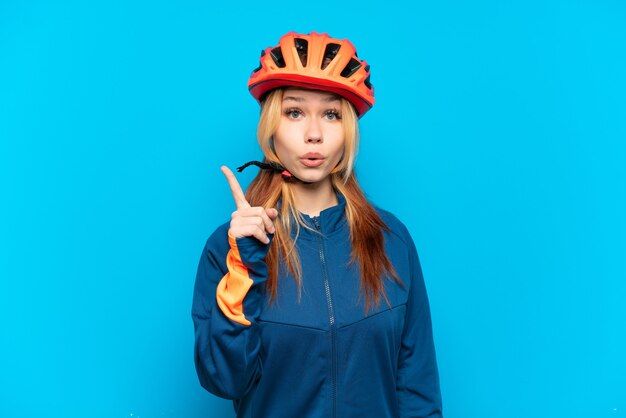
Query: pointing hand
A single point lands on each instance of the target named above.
(248, 221)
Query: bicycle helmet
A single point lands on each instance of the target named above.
(314, 61)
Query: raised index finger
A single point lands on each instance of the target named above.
(235, 188)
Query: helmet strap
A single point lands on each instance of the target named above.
(287, 176)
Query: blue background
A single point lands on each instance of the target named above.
(498, 137)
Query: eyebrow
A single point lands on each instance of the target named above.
(302, 99)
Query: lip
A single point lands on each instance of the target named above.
(312, 159)
(313, 155)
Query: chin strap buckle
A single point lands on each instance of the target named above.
(286, 175)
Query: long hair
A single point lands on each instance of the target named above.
(366, 226)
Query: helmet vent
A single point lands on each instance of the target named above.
(302, 46)
(367, 82)
(329, 54)
(351, 68)
(277, 56)
(260, 65)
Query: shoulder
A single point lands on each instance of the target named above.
(396, 227)
(400, 247)
(214, 252)
(217, 243)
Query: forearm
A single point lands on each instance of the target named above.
(227, 340)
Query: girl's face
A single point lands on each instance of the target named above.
(310, 137)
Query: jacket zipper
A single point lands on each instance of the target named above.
(331, 318)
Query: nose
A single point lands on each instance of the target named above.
(314, 132)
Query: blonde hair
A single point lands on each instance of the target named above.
(366, 227)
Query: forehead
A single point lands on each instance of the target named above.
(306, 95)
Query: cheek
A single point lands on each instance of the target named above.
(338, 143)
(279, 141)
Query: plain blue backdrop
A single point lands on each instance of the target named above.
(498, 137)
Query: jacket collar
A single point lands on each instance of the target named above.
(328, 221)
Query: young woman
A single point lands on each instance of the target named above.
(310, 302)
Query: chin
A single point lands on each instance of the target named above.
(312, 177)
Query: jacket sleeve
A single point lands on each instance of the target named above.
(418, 377)
(227, 300)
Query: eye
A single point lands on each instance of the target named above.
(332, 114)
(293, 113)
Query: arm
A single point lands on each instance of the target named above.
(229, 282)
(418, 377)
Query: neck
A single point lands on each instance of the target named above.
(313, 198)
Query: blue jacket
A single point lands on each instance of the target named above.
(323, 357)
